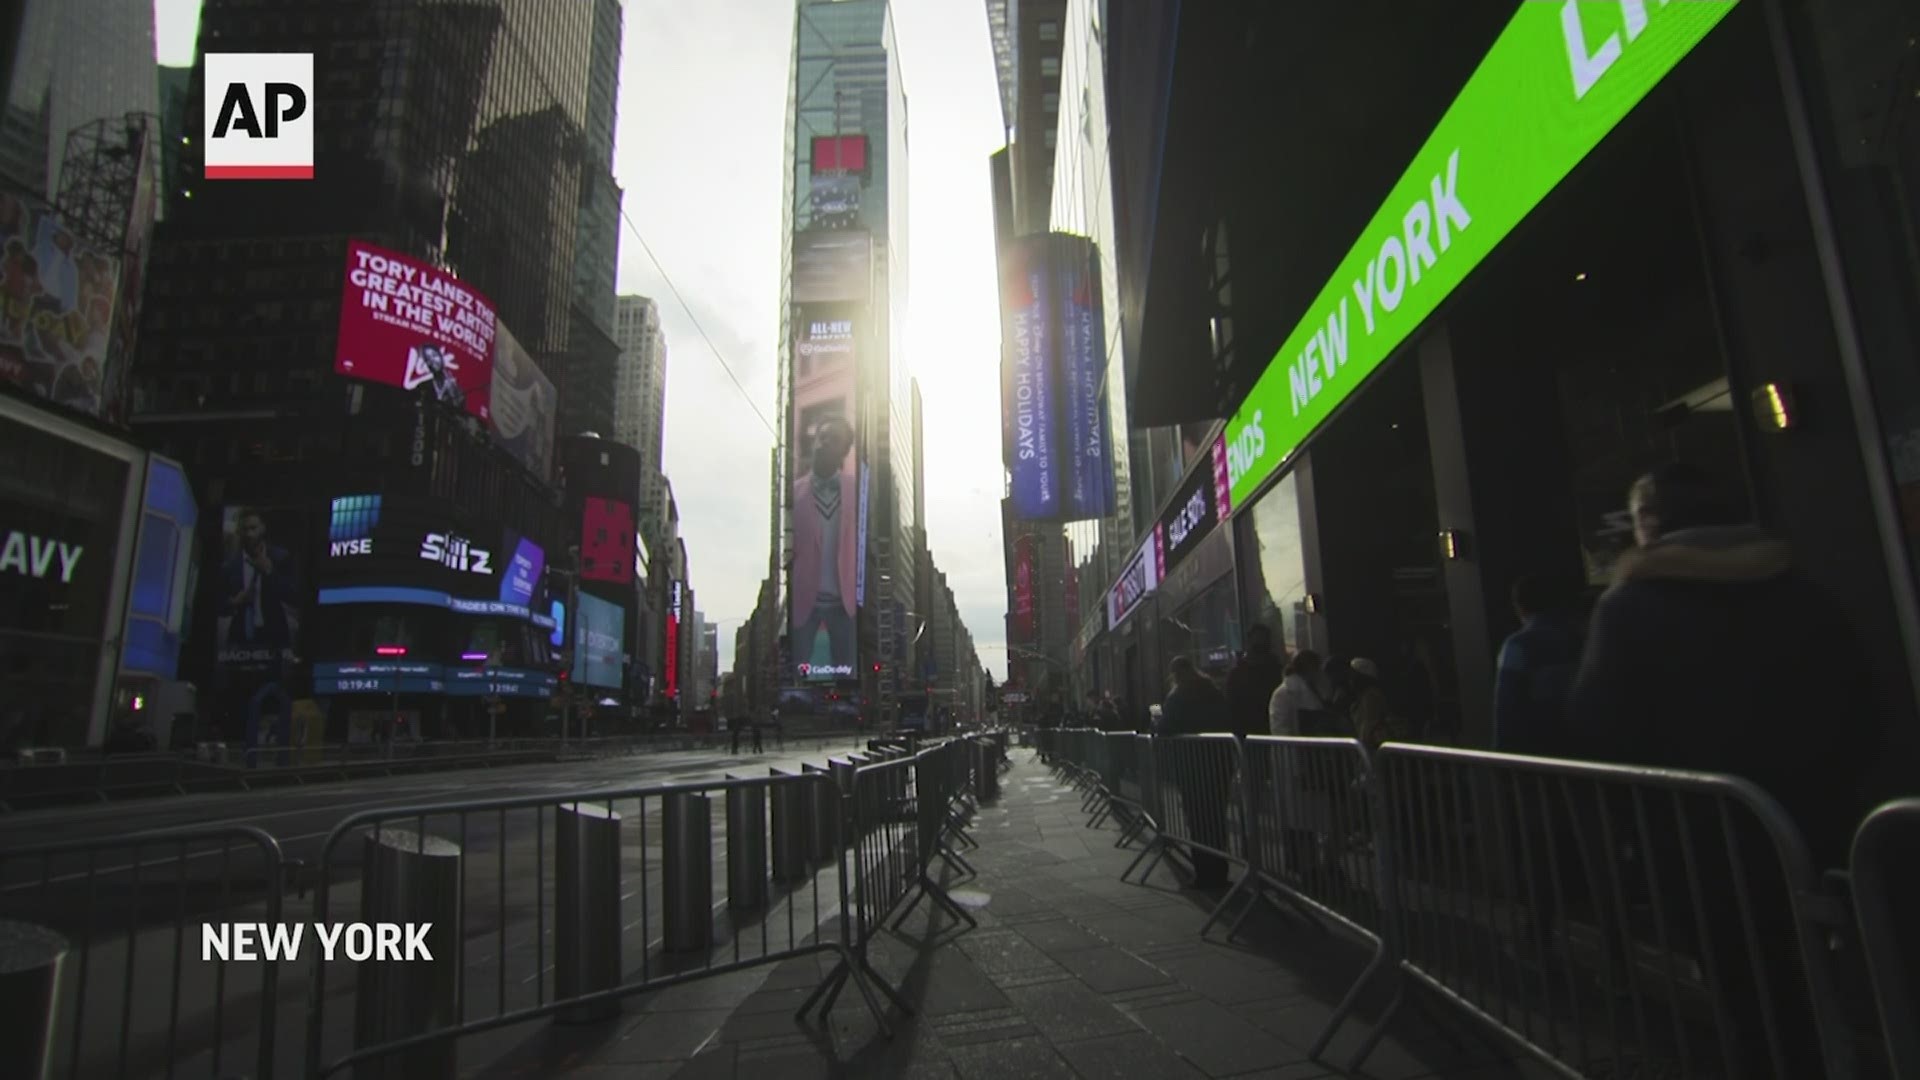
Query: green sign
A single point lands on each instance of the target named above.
(1559, 78)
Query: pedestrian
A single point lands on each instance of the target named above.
(1369, 711)
(756, 733)
(1536, 668)
(1298, 706)
(1697, 658)
(1195, 706)
(1110, 715)
(779, 733)
(733, 728)
(1252, 682)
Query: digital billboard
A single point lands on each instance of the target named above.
(523, 405)
(406, 324)
(838, 154)
(1024, 572)
(599, 642)
(832, 266)
(57, 297)
(259, 585)
(606, 541)
(1086, 458)
(388, 541)
(825, 580)
(671, 658)
(521, 575)
(1054, 413)
(1191, 515)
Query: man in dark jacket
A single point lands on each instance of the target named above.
(1537, 666)
(1200, 770)
(1251, 684)
(1698, 658)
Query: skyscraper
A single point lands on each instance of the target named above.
(640, 403)
(76, 62)
(846, 487)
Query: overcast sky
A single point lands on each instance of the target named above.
(702, 91)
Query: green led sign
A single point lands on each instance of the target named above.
(1559, 78)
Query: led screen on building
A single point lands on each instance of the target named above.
(838, 154)
(1053, 381)
(600, 643)
(259, 587)
(1024, 571)
(606, 541)
(406, 324)
(523, 571)
(832, 266)
(671, 658)
(57, 296)
(523, 405)
(825, 580)
(1140, 577)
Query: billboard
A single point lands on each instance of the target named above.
(825, 579)
(1054, 416)
(407, 324)
(600, 642)
(521, 576)
(832, 266)
(838, 154)
(1024, 572)
(606, 541)
(259, 585)
(1191, 516)
(1140, 578)
(671, 658)
(57, 298)
(523, 404)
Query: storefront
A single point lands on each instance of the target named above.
(79, 616)
(1574, 280)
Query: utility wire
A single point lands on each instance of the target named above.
(695, 319)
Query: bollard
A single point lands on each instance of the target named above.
(986, 773)
(31, 961)
(746, 848)
(408, 877)
(825, 836)
(586, 908)
(789, 829)
(688, 839)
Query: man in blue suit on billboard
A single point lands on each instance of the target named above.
(824, 545)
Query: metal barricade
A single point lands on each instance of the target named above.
(1610, 920)
(510, 893)
(1199, 806)
(147, 917)
(1885, 864)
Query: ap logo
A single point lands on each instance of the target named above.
(259, 116)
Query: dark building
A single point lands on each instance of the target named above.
(599, 477)
(455, 135)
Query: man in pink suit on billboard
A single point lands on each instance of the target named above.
(824, 551)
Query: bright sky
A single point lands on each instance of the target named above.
(702, 91)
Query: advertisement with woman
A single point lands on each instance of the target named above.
(824, 580)
(57, 297)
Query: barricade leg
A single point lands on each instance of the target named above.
(32, 960)
(746, 849)
(410, 877)
(586, 919)
(688, 871)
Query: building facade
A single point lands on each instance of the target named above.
(640, 406)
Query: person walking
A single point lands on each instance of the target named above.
(1252, 682)
(733, 729)
(1536, 668)
(755, 728)
(1195, 706)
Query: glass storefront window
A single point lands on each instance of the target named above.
(1275, 565)
(1206, 630)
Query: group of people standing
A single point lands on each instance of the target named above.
(1304, 695)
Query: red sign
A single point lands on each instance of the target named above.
(1023, 572)
(407, 324)
(839, 153)
(606, 541)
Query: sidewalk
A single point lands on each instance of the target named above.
(1071, 973)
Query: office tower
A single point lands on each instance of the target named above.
(640, 404)
(843, 370)
(74, 62)
(456, 139)
(593, 356)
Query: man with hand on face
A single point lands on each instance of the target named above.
(258, 578)
(824, 506)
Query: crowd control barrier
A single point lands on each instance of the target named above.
(132, 988)
(1886, 890)
(1608, 920)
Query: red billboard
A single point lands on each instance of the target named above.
(839, 153)
(407, 324)
(606, 541)
(1023, 575)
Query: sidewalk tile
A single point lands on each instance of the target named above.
(1109, 969)
(1128, 1057)
(1002, 952)
(1057, 936)
(1069, 1012)
(1215, 1039)
(665, 1036)
(1017, 1059)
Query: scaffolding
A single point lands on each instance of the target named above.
(101, 178)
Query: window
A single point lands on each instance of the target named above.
(1049, 31)
(1050, 102)
(1050, 66)
(1052, 138)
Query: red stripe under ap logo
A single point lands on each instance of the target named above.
(259, 116)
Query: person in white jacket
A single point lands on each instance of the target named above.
(1299, 706)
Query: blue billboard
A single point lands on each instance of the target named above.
(521, 579)
(1087, 459)
(1026, 394)
(600, 644)
(1053, 381)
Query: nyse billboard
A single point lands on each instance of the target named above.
(1053, 381)
(408, 324)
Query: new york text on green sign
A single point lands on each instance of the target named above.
(1558, 79)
